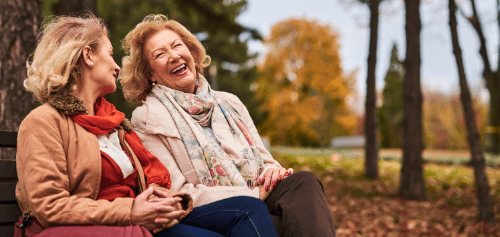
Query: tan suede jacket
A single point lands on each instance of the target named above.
(59, 170)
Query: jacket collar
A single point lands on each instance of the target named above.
(66, 102)
(69, 104)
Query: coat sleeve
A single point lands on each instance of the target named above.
(43, 185)
(164, 146)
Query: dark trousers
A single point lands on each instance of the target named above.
(236, 216)
(299, 208)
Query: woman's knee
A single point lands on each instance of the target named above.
(303, 176)
(248, 202)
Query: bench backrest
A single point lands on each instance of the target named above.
(9, 210)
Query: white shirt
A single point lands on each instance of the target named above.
(111, 146)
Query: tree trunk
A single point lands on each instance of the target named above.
(477, 155)
(493, 129)
(67, 7)
(20, 23)
(412, 183)
(492, 83)
(371, 148)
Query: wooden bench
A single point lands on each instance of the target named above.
(9, 210)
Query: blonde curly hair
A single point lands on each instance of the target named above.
(55, 63)
(136, 71)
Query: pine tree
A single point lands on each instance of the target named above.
(390, 114)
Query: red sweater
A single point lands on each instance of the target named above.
(113, 184)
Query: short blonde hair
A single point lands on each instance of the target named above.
(56, 61)
(136, 71)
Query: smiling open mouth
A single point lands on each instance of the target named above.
(179, 69)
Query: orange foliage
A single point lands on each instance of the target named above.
(444, 122)
(302, 86)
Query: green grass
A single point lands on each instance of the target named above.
(440, 179)
(432, 156)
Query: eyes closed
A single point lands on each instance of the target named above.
(162, 53)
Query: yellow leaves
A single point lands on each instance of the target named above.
(289, 113)
(444, 122)
(347, 121)
(302, 85)
(366, 207)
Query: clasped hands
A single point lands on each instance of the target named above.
(156, 210)
(269, 180)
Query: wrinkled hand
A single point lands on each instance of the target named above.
(156, 215)
(160, 195)
(269, 180)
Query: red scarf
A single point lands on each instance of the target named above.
(106, 118)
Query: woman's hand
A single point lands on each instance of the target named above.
(155, 216)
(263, 194)
(270, 179)
(159, 195)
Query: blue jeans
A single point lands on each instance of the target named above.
(236, 216)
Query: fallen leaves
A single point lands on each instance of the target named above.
(364, 207)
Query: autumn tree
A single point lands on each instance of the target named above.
(412, 180)
(390, 114)
(491, 77)
(20, 22)
(302, 85)
(444, 121)
(477, 155)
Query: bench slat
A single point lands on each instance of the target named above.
(9, 210)
(8, 192)
(8, 169)
(7, 231)
(8, 139)
(10, 213)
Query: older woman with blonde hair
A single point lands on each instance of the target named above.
(206, 138)
(82, 169)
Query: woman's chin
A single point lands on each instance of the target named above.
(107, 89)
(186, 85)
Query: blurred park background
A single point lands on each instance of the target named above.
(393, 104)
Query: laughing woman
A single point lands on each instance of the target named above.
(81, 167)
(206, 138)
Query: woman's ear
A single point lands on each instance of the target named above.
(87, 56)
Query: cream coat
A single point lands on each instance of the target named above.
(159, 134)
(59, 170)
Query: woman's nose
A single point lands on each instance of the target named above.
(175, 57)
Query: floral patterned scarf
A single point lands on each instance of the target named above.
(211, 129)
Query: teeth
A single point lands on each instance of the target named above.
(179, 68)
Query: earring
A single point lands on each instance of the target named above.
(153, 83)
(91, 64)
